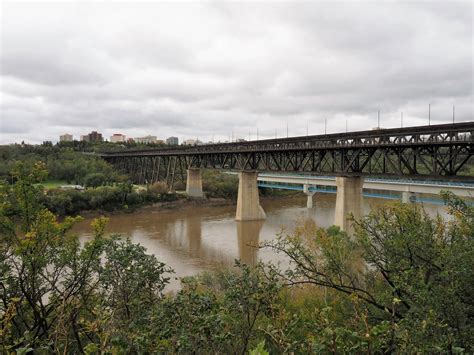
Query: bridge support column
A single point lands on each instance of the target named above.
(310, 194)
(348, 201)
(194, 183)
(248, 202)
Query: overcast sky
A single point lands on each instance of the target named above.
(207, 69)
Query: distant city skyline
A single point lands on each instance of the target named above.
(95, 136)
(223, 71)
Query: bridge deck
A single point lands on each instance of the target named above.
(429, 152)
(422, 135)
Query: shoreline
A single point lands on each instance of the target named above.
(184, 203)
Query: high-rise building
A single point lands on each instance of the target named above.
(95, 136)
(85, 138)
(117, 138)
(66, 137)
(172, 141)
(146, 140)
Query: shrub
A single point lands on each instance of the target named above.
(134, 198)
(94, 180)
(220, 185)
(158, 187)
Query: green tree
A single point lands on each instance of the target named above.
(57, 295)
(402, 284)
(411, 275)
(94, 180)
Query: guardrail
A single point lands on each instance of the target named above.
(416, 199)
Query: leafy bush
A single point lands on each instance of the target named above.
(217, 184)
(107, 198)
(63, 163)
(134, 198)
(407, 276)
(94, 180)
(158, 187)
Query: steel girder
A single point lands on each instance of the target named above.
(439, 152)
(438, 161)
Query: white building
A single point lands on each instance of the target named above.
(189, 142)
(146, 140)
(66, 137)
(117, 138)
(172, 141)
(192, 142)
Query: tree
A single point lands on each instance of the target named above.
(94, 180)
(402, 284)
(407, 270)
(57, 295)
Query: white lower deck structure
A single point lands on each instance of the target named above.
(408, 186)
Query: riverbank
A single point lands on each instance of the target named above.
(183, 202)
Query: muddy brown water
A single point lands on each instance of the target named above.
(202, 238)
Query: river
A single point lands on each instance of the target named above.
(198, 238)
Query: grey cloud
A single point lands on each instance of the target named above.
(210, 69)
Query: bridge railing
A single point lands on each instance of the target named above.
(425, 135)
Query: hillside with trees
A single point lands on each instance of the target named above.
(402, 284)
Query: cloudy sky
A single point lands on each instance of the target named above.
(212, 68)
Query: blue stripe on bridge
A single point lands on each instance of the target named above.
(332, 190)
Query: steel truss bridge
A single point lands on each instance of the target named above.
(425, 152)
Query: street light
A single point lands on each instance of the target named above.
(429, 114)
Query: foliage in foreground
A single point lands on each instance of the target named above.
(409, 276)
(403, 283)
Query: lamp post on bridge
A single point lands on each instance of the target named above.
(429, 114)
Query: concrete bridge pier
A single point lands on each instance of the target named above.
(348, 201)
(194, 182)
(310, 194)
(248, 202)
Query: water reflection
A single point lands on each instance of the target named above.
(198, 238)
(248, 234)
(193, 234)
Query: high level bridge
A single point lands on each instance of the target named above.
(438, 152)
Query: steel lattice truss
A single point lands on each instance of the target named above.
(434, 152)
